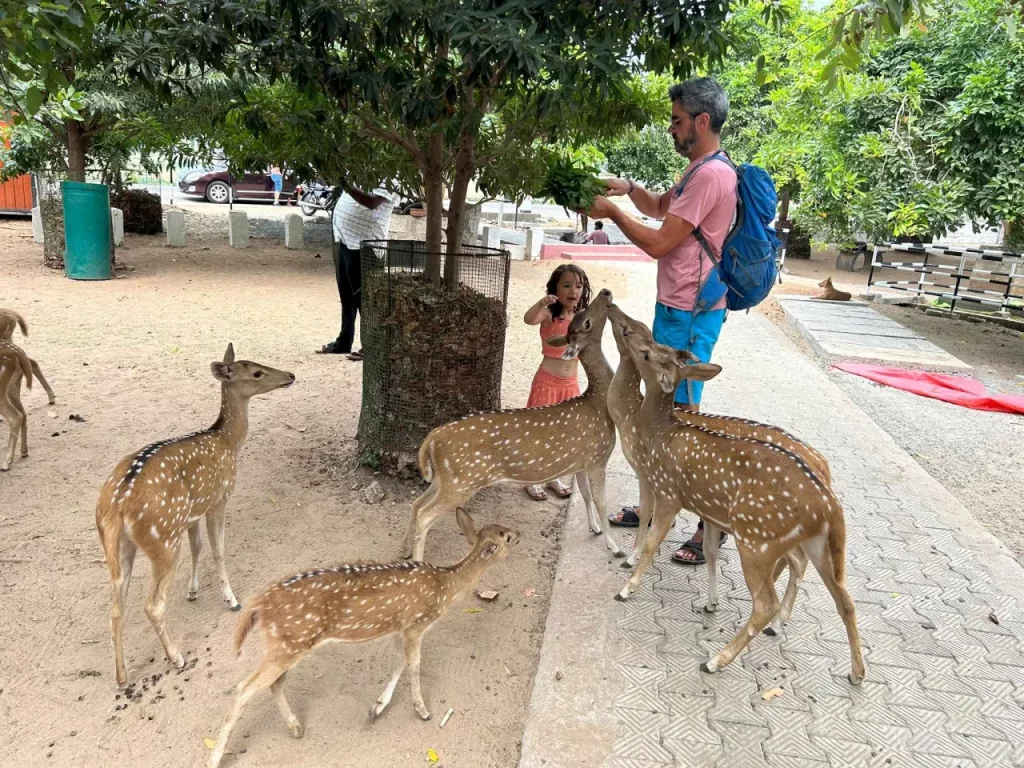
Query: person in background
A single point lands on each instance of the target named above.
(598, 236)
(278, 178)
(358, 216)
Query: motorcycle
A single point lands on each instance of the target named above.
(317, 196)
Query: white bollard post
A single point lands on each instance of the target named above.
(37, 225)
(293, 223)
(534, 240)
(238, 229)
(117, 222)
(492, 237)
(176, 229)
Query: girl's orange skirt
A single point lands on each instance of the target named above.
(548, 389)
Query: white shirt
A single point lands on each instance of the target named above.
(354, 223)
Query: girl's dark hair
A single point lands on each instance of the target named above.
(583, 303)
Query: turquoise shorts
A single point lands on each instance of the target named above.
(696, 333)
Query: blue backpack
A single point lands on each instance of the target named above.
(746, 270)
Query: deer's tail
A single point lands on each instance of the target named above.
(21, 322)
(246, 623)
(426, 458)
(26, 366)
(111, 530)
(837, 546)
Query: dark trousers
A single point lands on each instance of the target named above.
(348, 272)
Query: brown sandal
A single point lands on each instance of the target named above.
(536, 492)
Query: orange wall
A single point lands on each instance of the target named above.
(16, 194)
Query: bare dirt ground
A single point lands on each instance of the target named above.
(976, 455)
(131, 357)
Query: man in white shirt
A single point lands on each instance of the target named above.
(357, 217)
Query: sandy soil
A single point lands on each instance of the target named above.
(131, 357)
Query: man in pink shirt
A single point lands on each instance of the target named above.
(697, 214)
(598, 236)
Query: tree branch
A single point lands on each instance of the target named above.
(395, 138)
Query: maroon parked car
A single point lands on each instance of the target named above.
(213, 186)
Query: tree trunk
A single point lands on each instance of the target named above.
(77, 146)
(784, 196)
(433, 182)
(464, 169)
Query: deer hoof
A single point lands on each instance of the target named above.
(296, 729)
(236, 607)
(710, 607)
(770, 631)
(191, 596)
(620, 553)
(854, 680)
(179, 662)
(423, 713)
(706, 667)
(627, 564)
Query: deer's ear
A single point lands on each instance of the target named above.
(557, 341)
(466, 524)
(702, 371)
(489, 551)
(220, 371)
(668, 386)
(685, 356)
(229, 354)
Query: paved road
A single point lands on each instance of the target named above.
(944, 687)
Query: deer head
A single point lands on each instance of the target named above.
(586, 327)
(492, 541)
(826, 283)
(248, 378)
(660, 366)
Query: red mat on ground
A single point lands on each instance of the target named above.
(958, 390)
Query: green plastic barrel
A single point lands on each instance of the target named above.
(86, 230)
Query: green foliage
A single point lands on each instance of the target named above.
(570, 185)
(647, 156)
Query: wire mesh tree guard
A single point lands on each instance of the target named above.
(430, 355)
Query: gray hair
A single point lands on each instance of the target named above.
(702, 94)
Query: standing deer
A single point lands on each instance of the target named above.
(354, 603)
(14, 366)
(527, 445)
(624, 403)
(165, 489)
(8, 320)
(767, 497)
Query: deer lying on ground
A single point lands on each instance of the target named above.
(8, 320)
(15, 365)
(831, 293)
(767, 497)
(354, 603)
(154, 496)
(624, 403)
(527, 445)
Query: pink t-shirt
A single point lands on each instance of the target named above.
(598, 237)
(708, 202)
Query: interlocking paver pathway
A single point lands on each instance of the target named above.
(944, 686)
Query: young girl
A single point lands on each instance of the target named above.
(556, 379)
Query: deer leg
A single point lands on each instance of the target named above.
(120, 582)
(765, 606)
(215, 530)
(818, 553)
(261, 679)
(389, 690)
(413, 637)
(711, 557)
(597, 487)
(14, 395)
(797, 562)
(39, 377)
(428, 515)
(661, 524)
(277, 688)
(156, 603)
(593, 524)
(14, 419)
(195, 540)
(426, 499)
(645, 511)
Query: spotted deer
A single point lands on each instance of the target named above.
(9, 319)
(15, 366)
(767, 497)
(624, 403)
(154, 496)
(353, 603)
(527, 445)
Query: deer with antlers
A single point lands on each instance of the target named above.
(15, 366)
(353, 603)
(624, 403)
(767, 497)
(154, 496)
(527, 445)
(9, 320)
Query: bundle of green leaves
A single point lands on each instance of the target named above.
(572, 186)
